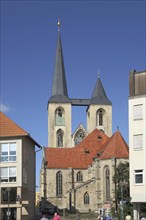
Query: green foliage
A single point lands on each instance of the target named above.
(122, 189)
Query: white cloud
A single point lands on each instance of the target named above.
(4, 108)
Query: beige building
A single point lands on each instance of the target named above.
(77, 168)
(17, 171)
(137, 141)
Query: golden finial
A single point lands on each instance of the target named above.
(58, 23)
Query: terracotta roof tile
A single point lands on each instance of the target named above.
(77, 157)
(114, 147)
(8, 128)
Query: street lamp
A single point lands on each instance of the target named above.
(8, 212)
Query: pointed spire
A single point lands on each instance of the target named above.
(99, 95)
(59, 88)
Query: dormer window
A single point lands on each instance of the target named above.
(99, 137)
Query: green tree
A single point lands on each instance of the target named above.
(122, 189)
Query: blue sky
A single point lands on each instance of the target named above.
(106, 36)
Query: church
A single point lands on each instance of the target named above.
(77, 168)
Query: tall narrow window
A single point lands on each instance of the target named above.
(59, 115)
(99, 117)
(107, 184)
(86, 198)
(59, 138)
(59, 183)
(79, 176)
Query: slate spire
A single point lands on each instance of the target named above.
(59, 87)
(99, 96)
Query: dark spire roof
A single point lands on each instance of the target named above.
(99, 95)
(59, 89)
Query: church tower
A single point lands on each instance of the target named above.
(99, 112)
(59, 105)
(99, 108)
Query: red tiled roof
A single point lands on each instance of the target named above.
(65, 158)
(8, 128)
(115, 147)
(77, 157)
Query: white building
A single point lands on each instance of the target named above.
(137, 141)
(17, 171)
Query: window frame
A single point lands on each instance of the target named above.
(79, 176)
(59, 184)
(86, 198)
(9, 176)
(136, 142)
(9, 154)
(137, 114)
(140, 173)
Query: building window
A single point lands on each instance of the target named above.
(79, 176)
(79, 136)
(8, 152)
(107, 184)
(138, 176)
(99, 117)
(8, 174)
(59, 183)
(138, 142)
(86, 198)
(138, 112)
(59, 115)
(59, 138)
(13, 194)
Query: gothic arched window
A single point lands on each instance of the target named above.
(99, 117)
(86, 198)
(59, 138)
(59, 183)
(59, 116)
(79, 136)
(79, 176)
(107, 184)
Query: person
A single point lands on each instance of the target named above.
(44, 218)
(56, 216)
(128, 217)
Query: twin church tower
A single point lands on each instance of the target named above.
(98, 112)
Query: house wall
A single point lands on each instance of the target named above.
(137, 191)
(25, 181)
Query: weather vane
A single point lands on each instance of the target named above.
(58, 23)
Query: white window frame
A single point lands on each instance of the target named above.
(138, 141)
(10, 175)
(8, 155)
(139, 173)
(138, 112)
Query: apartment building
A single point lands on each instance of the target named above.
(17, 171)
(137, 141)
